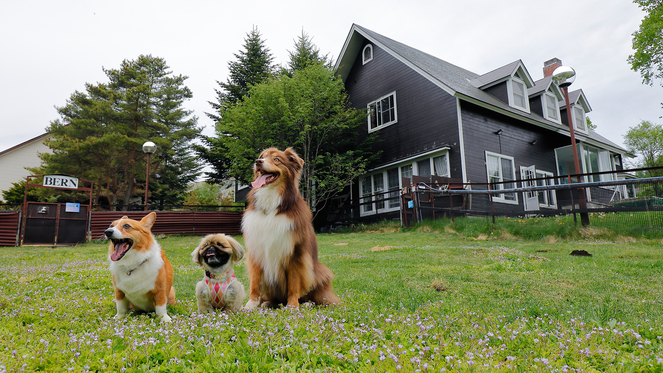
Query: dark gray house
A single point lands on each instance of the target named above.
(435, 118)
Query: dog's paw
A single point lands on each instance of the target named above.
(251, 304)
(165, 318)
(119, 316)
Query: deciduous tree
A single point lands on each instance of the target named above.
(648, 43)
(309, 112)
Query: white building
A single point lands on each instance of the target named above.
(13, 161)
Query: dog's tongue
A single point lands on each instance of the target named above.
(120, 248)
(260, 181)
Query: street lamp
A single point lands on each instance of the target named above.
(564, 76)
(148, 148)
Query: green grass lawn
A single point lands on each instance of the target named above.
(411, 300)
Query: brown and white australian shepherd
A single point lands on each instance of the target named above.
(282, 250)
(142, 276)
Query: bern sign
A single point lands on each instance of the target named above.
(60, 181)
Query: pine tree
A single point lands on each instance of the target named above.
(305, 54)
(101, 132)
(254, 65)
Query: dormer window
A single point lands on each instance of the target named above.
(579, 121)
(367, 54)
(518, 94)
(551, 107)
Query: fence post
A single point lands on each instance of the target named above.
(573, 203)
(492, 207)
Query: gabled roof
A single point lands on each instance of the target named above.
(503, 73)
(24, 143)
(454, 80)
(577, 97)
(542, 85)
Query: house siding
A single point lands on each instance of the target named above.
(427, 118)
(536, 106)
(480, 126)
(13, 163)
(500, 91)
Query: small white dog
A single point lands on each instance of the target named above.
(219, 289)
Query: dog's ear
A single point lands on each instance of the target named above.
(148, 220)
(195, 254)
(238, 250)
(294, 158)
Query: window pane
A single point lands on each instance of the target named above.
(423, 167)
(392, 180)
(368, 53)
(374, 117)
(440, 165)
(579, 118)
(605, 165)
(406, 172)
(366, 191)
(518, 94)
(551, 106)
(508, 174)
(493, 172)
(378, 188)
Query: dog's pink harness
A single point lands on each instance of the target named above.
(218, 288)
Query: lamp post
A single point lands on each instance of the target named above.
(148, 148)
(564, 76)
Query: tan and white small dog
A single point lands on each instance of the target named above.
(142, 275)
(219, 288)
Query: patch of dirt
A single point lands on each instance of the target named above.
(481, 237)
(438, 285)
(550, 239)
(508, 236)
(580, 253)
(383, 248)
(448, 229)
(593, 232)
(627, 239)
(424, 229)
(341, 244)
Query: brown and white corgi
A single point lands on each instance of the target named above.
(142, 275)
(281, 246)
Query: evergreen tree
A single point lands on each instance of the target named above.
(305, 54)
(101, 132)
(254, 65)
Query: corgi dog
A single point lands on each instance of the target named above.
(281, 246)
(142, 275)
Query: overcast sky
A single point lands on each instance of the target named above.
(49, 49)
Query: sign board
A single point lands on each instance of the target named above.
(60, 181)
(72, 207)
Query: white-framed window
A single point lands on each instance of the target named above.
(386, 183)
(547, 198)
(597, 160)
(367, 54)
(501, 172)
(382, 112)
(551, 107)
(579, 121)
(518, 94)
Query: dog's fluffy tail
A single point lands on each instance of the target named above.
(323, 292)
